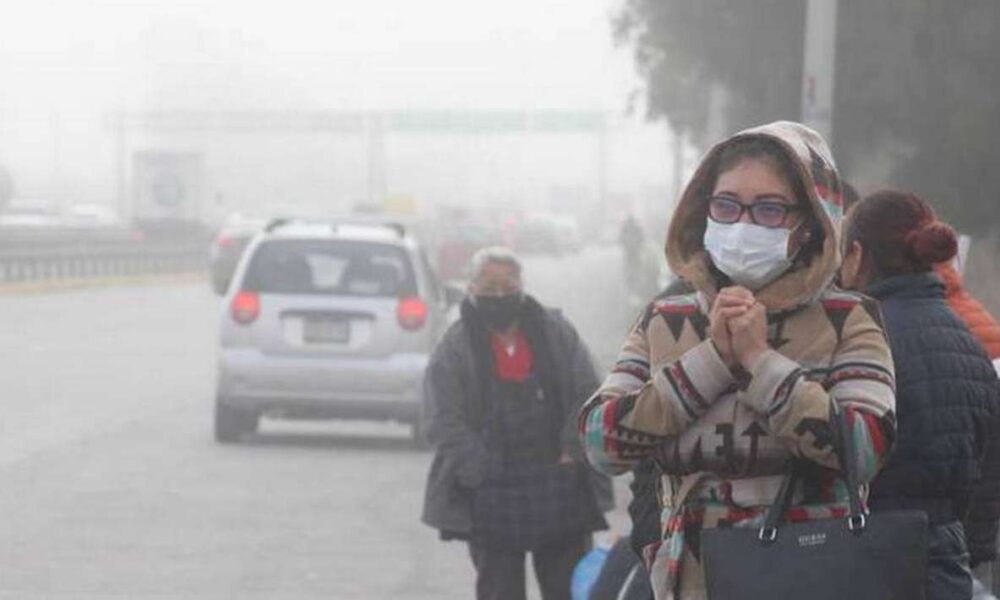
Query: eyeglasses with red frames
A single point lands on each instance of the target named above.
(766, 213)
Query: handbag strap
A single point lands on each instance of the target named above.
(847, 453)
(782, 501)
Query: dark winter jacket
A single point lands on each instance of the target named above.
(454, 398)
(947, 402)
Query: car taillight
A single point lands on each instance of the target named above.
(224, 242)
(411, 313)
(245, 307)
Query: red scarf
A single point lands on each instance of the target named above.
(515, 365)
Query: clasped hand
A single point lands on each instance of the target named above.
(738, 326)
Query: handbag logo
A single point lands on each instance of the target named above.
(811, 540)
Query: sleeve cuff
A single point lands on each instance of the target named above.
(707, 371)
(768, 376)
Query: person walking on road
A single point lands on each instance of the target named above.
(764, 362)
(508, 476)
(946, 461)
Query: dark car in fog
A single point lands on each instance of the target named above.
(327, 320)
(227, 248)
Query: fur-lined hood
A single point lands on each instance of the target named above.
(818, 176)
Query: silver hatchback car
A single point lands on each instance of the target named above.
(329, 320)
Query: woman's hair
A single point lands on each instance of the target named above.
(756, 148)
(774, 154)
(900, 234)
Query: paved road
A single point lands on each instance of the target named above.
(112, 486)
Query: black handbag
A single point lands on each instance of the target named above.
(881, 556)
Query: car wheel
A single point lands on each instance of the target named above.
(232, 423)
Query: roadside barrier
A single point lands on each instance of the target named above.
(79, 263)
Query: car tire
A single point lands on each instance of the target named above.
(231, 424)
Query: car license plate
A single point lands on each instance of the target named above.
(326, 331)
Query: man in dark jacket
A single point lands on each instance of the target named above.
(501, 394)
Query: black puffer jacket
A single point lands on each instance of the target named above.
(947, 454)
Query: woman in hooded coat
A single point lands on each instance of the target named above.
(724, 385)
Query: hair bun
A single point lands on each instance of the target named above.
(935, 242)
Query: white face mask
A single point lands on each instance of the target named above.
(751, 255)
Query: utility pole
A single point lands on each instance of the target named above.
(121, 166)
(375, 133)
(55, 188)
(819, 66)
(603, 151)
(677, 153)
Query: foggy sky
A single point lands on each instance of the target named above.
(71, 57)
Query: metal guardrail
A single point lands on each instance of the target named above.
(79, 262)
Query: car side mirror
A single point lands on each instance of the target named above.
(453, 294)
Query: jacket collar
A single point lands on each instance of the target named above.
(913, 285)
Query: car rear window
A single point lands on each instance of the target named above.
(332, 267)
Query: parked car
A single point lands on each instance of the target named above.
(329, 320)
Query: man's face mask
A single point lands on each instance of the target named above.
(750, 255)
(499, 312)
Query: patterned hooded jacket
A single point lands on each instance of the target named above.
(723, 438)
